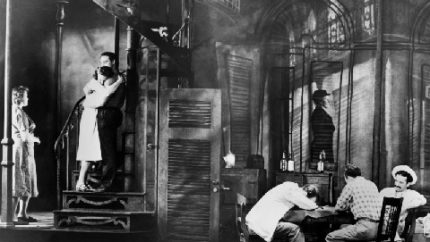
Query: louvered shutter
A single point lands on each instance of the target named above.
(424, 163)
(239, 75)
(190, 143)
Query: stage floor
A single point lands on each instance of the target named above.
(45, 221)
(43, 231)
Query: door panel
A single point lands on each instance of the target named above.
(189, 167)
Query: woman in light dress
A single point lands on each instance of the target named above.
(24, 171)
(96, 94)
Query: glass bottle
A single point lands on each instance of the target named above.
(320, 166)
(290, 162)
(283, 164)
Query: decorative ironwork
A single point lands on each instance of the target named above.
(123, 222)
(82, 199)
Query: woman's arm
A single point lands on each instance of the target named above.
(25, 134)
(114, 86)
(94, 94)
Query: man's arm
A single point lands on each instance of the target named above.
(301, 201)
(414, 199)
(343, 202)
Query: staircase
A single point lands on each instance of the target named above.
(146, 17)
(107, 211)
(103, 211)
(167, 59)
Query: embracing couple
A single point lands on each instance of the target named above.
(104, 97)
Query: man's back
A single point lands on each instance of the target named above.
(361, 196)
(265, 215)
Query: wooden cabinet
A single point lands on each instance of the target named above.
(249, 182)
(324, 182)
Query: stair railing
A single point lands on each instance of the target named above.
(182, 33)
(62, 143)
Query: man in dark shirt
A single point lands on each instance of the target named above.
(109, 118)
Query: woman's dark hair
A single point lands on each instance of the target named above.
(311, 190)
(352, 171)
(18, 94)
(405, 174)
(106, 71)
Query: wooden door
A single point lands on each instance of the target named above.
(189, 164)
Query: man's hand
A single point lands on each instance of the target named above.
(36, 140)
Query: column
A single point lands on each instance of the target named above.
(58, 53)
(7, 208)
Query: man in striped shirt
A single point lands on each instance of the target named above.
(362, 198)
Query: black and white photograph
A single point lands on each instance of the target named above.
(215, 120)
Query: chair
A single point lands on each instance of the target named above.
(389, 219)
(241, 227)
(410, 223)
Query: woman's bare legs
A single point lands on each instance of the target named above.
(80, 184)
(23, 205)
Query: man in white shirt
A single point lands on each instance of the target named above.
(404, 177)
(264, 217)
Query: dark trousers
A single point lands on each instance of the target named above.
(108, 121)
(288, 232)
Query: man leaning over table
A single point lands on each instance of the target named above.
(264, 218)
(362, 198)
(404, 177)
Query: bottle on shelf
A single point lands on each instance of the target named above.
(283, 163)
(290, 162)
(321, 161)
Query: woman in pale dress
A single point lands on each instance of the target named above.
(96, 94)
(24, 170)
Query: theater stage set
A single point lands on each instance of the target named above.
(205, 80)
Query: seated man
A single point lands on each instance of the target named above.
(264, 218)
(362, 198)
(404, 177)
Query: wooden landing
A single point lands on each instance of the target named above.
(44, 231)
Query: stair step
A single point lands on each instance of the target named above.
(119, 201)
(103, 219)
(122, 182)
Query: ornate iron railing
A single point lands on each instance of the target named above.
(63, 147)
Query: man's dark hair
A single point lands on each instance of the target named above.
(405, 174)
(107, 71)
(352, 171)
(311, 190)
(111, 55)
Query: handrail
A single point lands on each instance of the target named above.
(67, 123)
(60, 139)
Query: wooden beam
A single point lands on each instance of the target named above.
(379, 153)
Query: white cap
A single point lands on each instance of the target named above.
(407, 169)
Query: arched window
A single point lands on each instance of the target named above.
(336, 34)
(368, 16)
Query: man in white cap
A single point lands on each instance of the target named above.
(404, 177)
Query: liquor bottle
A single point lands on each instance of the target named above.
(283, 164)
(290, 162)
(320, 166)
